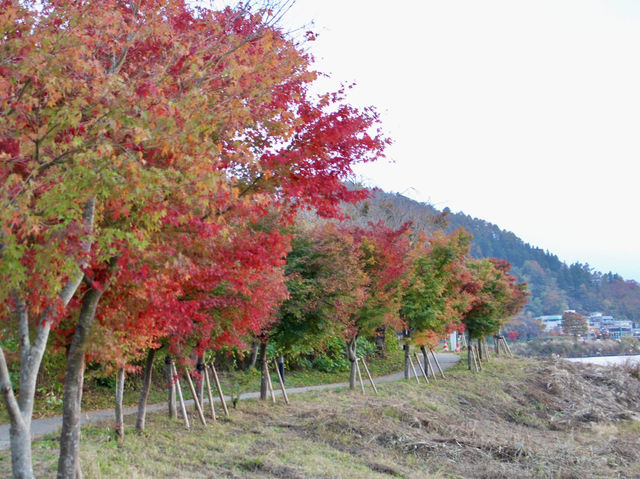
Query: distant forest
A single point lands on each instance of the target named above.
(555, 286)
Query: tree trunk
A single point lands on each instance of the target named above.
(254, 355)
(146, 387)
(481, 354)
(20, 409)
(406, 360)
(19, 414)
(20, 439)
(425, 361)
(74, 375)
(200, 380)
(264, 385)
(470, 354)
(352, 350)
(119, 409)
(171, 388)
(381, 341)
(281, 368)
(77, 469)
(407, 351)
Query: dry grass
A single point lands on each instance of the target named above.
(516, 419)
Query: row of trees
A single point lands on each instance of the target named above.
(155, 156)
(151, 151)
(349, 281)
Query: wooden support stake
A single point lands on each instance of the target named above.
(219, 387)
(437, 363)
(210, 394)
(284, 391)
(182, 404)
(464, 341)
(196, 401)
(476, 357)
(415, 373)
(424, 374)
(359, 375)
(430, 370)
(366, 370)
(473, 356)
(508, 347)
(270, 384)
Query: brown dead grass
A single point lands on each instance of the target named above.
(517, 419)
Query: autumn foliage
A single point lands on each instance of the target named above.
(154, 156)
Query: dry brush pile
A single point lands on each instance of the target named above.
(549, 419)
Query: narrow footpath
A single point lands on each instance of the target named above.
(51, 425)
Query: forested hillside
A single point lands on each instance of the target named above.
(554, 285)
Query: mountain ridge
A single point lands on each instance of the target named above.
(555, 286)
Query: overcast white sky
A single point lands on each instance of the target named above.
(523, 113)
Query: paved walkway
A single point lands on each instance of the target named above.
(50, 425)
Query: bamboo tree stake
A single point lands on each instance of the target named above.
(219, 387)
(270, 384)
(284, 391)
(359, 375)
(430, 370)
(179, 389)
(210, 394)
(366, 370)
(508, 347)
(196, 401)
(476, 357)
(415, 373)
(473, 355)
(464, 341)
(421, 368)
(437, 363)
(473, 359)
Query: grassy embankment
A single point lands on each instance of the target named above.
(518, 418)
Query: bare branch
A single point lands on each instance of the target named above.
(6, 389)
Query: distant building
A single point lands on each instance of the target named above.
(595, 321)
(600, 325)
(551, 321)
(608, 326)
(619, 329)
